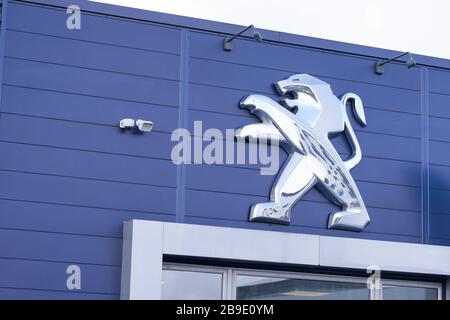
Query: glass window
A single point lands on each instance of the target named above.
(393, 292)
(188, 282)
(253, 287)
(191, 285)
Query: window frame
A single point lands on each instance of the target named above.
(200, 269)
(230, 274)
(296, 275)
(412, 283)
(145, 243)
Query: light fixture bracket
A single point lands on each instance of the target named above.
(227, 41)
(379, 65)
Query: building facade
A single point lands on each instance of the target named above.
(89, 210)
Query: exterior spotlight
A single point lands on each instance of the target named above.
(411, 62)
(143, 125)
(257, 36)
(227, 45)
(379, 65)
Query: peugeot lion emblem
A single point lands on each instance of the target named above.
(309, 113)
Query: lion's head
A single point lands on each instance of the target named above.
(307, 96)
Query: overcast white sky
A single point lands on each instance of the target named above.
(406, 25)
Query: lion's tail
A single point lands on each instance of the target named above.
(358, 111)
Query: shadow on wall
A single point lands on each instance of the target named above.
(439, 219)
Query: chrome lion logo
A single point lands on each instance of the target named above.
(302, 125)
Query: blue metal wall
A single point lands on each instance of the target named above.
(69, 177)
(439, 155)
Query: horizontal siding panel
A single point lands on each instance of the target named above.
(440, 153)
(82, 192)
(74, 107)
(440, 225)
(92, 55)
(383, 146)
(388, 122)
(439, 105)
(305, 213)
(440, 177)
(391, 196)
(439, 81)
(203, 96)
(439, 129)
(74, 135)
(301, 229)
(95, 28)
(439, 201)
(31, 294)
(379, 121)
(206, 98)
(46, 217)
(388, 171)
(228, 180)
(90, 165)
(52, 276)
(112, 139)
(313, 214)
(369, 169)
(72, 249)
(301, 60)
(232, 76)
(252, 182)
(248, 182)
(97, 83)
(372, 145)
(385, 221)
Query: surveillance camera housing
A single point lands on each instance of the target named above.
(143, 125)
(126, 123)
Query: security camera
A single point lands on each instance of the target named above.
(126, 123)
(144, 125)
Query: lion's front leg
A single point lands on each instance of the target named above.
(269, 111)
(296, 179)
(261, 131)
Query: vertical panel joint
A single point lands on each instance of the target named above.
(425, 154)
(182, 120)
(4, 11)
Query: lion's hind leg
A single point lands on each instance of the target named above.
(344, 192)
(351, 219)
